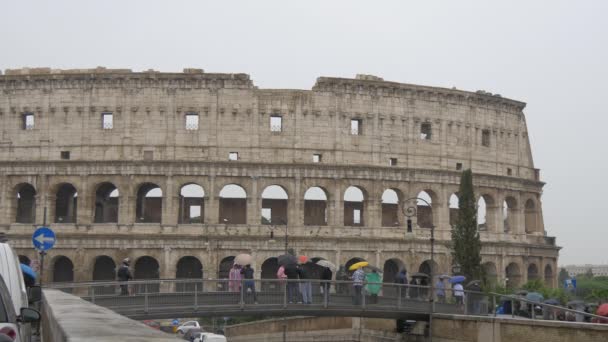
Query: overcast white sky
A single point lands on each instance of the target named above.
(551, 54)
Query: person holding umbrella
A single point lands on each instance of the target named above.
(374, 283)
(358, 278)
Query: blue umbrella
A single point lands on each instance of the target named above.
(457, 279)
(28, 271)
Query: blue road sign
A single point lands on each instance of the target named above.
(43, 239)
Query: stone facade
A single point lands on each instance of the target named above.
(91, 146)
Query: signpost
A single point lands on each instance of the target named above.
(43, 240)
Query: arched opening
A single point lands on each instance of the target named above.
(233, 205)
(191, 204)
(189, 267)
(454, 205)
(549, 276)
(353, 206)
(490, 273)
(149, 203)
(270, 267)
(104, 269)
(63, 270)
(533, 272)
(485, 212)
(390, 208)
(23, 259)
(106, 203)
(26, 204)
(389, 275)
(508, 212)
(531, 216)
(513, 276)
(223, 272)
(427, 266)
(315, 207)
(274, 205)
(424, 211)
(66, 204)
(146, 267)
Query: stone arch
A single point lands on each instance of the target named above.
(191, 204)
(390, 208)
(533, 272)
(104, 269)
(189, 267)
(66, 203)
(223, 272)
(315, 206)
(513, 275)
(490, 272)
(149, 204)
(389, 275)
(106, 203)
(146, 267)
(509, 211)
(275, 202)
(63, 270)
(270, 267)
(354, 206)
(453, 205)
(233, 204)
(486, 212)
(427, 266)
(26, 203)
(531, 216)
(424, 212)
(548, 276)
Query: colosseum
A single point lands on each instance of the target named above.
(182, 171)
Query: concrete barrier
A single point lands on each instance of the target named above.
(68, 318)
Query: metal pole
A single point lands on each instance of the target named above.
(42, 253)
(432, 280)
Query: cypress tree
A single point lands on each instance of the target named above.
(465, 236)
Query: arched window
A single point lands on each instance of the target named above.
(390, 208)
(233, 205)
(531, 217)
(191, 204)
(106, 203)
(146, 267)
(533, 272)
(66, 204)
(26, 204)
(513, 276)
(508, 211)
(149, 203)
(454, 205)
(424, 211)
(315, 207)
(189, 267)
(486, 211)
(274, 205)
(353, 206)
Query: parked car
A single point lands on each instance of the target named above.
(210, 337)
(10, 270)
(9, 321)
(184, 328)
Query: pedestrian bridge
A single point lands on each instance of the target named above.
(170, 298)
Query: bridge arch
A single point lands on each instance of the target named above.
(146, 267)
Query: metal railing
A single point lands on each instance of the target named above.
(142, 297)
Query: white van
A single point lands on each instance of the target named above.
(208, 337)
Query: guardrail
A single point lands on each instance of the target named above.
(142, 297)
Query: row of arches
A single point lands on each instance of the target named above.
(274, 206)
(190, 267)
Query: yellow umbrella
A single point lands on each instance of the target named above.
(357, 265)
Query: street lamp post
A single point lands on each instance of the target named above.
(409, 212)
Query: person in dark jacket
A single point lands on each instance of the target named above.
(305, 285)
(326, 281)
(291, 271)
(124, 274)
(248, 274)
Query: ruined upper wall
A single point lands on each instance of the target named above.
(468, 129)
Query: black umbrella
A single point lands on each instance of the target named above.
(286, 259)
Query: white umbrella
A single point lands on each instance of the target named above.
(327, 264)
(243, 259)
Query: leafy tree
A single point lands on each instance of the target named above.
(563, 275)
(466, 245)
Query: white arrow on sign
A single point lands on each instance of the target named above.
(42, 239)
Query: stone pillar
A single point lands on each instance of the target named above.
(254, 203)
(5, 193)
(126, 202)
(337, 212)
(41, 199)
(85, 211)
(443, 211)
(170, 203)
(295, 205)
(372, 213)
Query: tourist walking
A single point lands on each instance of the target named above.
(248, 273)
(373, 286)
(305, 285)
(358, 278)
(326, 281)
(124, 275)
(459, 294)
(440, 290)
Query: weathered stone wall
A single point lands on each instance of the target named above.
(150, 143)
